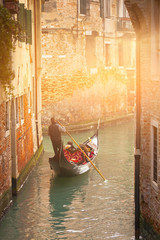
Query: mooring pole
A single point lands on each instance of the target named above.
(137, 195)
(137, 140)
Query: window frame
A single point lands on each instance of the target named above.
(107, 46)
(17, 111)
(29, 101)
(107, 8)
(7, 118)
(22, 109)
(86, 8)
(90, 52)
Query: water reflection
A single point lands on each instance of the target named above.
(81, 207)
(62, 193)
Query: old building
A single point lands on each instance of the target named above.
(145, 17)
(83, 41)
(20, 112)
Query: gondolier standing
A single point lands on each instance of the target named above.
(54, 131)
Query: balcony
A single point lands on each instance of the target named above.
(124, 24)
(12, 6)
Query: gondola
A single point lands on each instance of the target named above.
(71, 164)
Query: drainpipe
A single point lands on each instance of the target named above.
(36, 75)
(137, 140)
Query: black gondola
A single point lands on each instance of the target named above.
(66, 164)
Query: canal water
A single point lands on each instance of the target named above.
(83, 207)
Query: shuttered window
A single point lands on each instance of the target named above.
(25, 21)
(102, 8)
(17, 111)
(107, 9)
(82, 6)
(22, 108)
(85, 7)
(21, 20)
(7, 116)
(28, 16)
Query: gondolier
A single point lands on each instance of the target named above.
(72, 163)
(54, 131)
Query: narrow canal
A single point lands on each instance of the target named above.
(83, 207)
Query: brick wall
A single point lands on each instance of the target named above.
(5, 163)
(5, 154)
(24, 136)
(140, 12)
(69, 90)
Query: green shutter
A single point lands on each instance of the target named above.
(21, 20)
(28, 26)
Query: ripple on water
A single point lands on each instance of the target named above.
(82, 207)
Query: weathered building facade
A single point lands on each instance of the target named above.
(145, 16)
(80, 41)
(20, 112)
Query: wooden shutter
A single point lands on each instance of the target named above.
(82, 6)
(21, 20)
(28, 14)
(102, 8)
(87, 7)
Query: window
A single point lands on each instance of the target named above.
(29, 101)
(85, 7)
(120, 46)
(155, 37)
(22, 108)
(107, 55)
(90, 51)
(17, 111)
(121, 9)
(102, 8)
(154, 151)
(21, 20)
(107, 8)
(25, 21)
(28, 15)
(7, 116)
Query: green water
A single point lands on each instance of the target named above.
(83, 207)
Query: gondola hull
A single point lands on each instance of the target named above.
(62, 167)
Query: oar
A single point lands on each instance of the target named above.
(84, 153)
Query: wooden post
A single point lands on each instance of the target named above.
(137, 140)
(137, 196)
